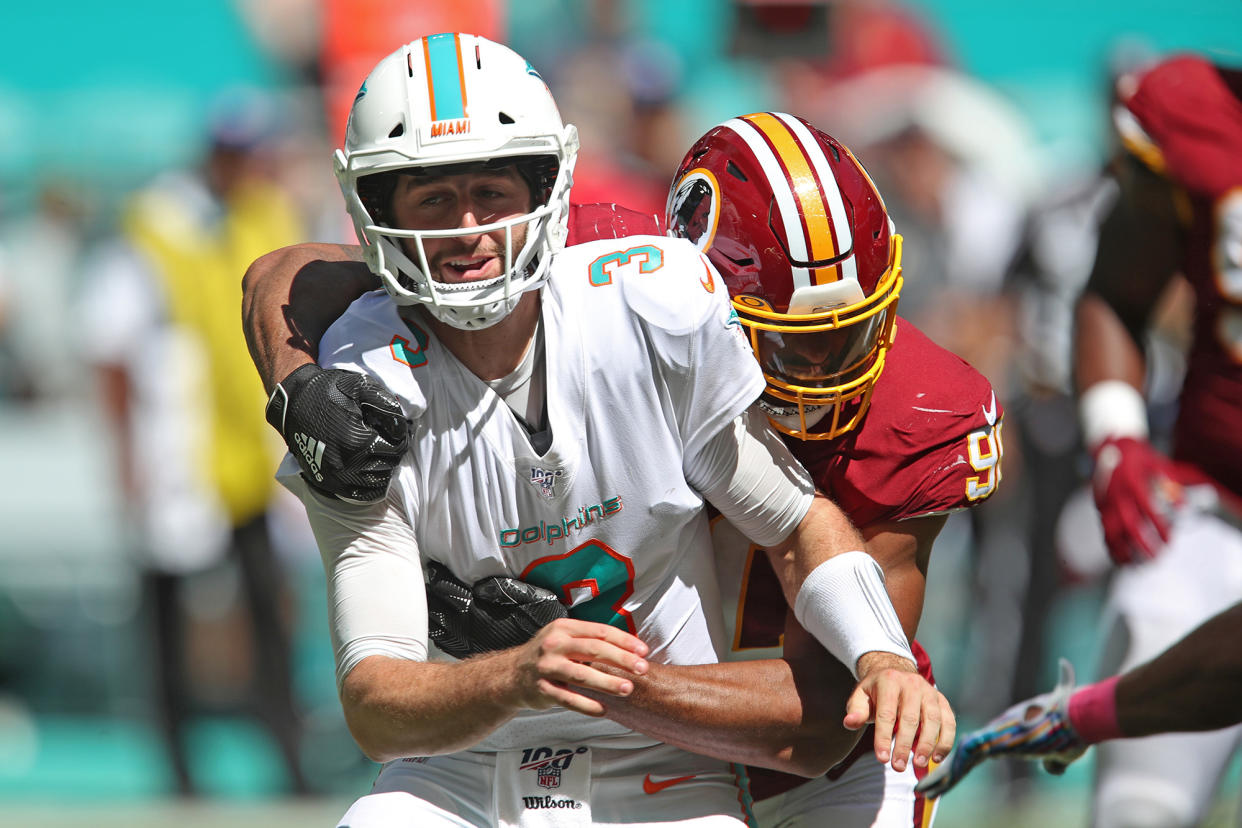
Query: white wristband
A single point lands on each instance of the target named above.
(1111, 408)
(844, 605)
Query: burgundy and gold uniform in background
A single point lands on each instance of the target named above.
(592, 222)
(1184, 121)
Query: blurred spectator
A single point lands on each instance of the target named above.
(619, 89)
(854, 36)
(15, 382)
(161, 310)
(39, 261)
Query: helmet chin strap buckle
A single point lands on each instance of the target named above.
(774, 408)
(787, 416)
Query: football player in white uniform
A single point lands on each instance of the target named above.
(563, 416)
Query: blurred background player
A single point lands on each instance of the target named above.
(1179, 215)
(192, 457)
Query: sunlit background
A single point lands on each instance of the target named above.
(985, 125)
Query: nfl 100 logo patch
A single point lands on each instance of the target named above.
(545, 479)
(548, 766)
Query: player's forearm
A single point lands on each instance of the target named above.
(836, 589)
(1103, 348)
(769, 713)
(903, 549)
(289, 298)
(397, 708)
(1195, 685)
(825, 531)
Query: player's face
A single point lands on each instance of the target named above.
(822, 358)
(464, 200)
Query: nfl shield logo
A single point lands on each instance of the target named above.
(549, 776)
(545, 479)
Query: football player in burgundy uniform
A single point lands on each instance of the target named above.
(1180, 211)
(895, 429)
(778, 205)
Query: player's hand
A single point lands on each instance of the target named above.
(495, 613)
(1134, 491)
(908, 712)
(559, 659)
(346, 430)
(1038, 728)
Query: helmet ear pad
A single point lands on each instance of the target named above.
(376, 192)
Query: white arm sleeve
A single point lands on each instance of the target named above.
(844, 605)
(748, 473)
(1111, 408)
(376, 599)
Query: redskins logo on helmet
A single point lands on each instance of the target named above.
(802, 239)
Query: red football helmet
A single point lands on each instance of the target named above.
(795, 226)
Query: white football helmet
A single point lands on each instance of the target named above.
(455, 99)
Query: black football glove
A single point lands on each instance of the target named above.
(496, 613)
(346, 430)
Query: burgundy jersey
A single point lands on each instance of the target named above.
(594, 222)
(929, 444)
(1184, 120)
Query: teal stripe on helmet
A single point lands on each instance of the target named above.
(445, 80)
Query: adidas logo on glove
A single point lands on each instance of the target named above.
(312, 452)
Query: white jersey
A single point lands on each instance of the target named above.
(643, 369)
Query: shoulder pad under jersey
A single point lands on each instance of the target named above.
(371, 338)
(665, 281)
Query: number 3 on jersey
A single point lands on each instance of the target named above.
(594, 570)
(986, 452)
(648, 259)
